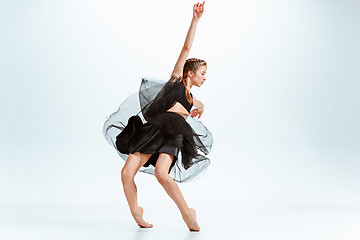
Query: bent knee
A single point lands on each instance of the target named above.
(162, 176)
(127, 175)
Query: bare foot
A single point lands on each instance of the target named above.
(138, 216)
(190, 220)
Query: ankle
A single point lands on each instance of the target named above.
(135, 211)
(187, 212)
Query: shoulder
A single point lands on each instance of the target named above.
(176, 82)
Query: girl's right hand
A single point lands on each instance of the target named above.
(198, 10)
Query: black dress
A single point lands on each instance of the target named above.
(143, 124)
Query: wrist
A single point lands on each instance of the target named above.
(194, 19)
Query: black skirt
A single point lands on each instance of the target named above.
(188, 140)
(170, 133)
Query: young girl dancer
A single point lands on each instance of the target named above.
(154, 132)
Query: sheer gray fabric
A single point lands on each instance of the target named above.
(150, 105)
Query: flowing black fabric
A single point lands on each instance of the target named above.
(143, 124)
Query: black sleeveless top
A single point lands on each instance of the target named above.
(183, 101)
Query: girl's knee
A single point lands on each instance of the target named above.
(161, 176)
(162, 167)
(127, 175)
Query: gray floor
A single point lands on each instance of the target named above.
(272, 194)
(226, 222)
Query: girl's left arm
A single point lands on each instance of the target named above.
(199, 108)
(198, 10)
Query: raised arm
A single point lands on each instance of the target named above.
(198, 10)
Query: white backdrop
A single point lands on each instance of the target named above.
(281, 99)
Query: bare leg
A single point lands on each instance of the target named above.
(161, 172)
(131, 167)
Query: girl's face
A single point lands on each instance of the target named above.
(200, 76)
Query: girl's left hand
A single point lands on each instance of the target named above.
(198, 9)
(196, 112)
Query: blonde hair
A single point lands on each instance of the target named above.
(191, 64)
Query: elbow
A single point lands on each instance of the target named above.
(186, 48)
(201, 105)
